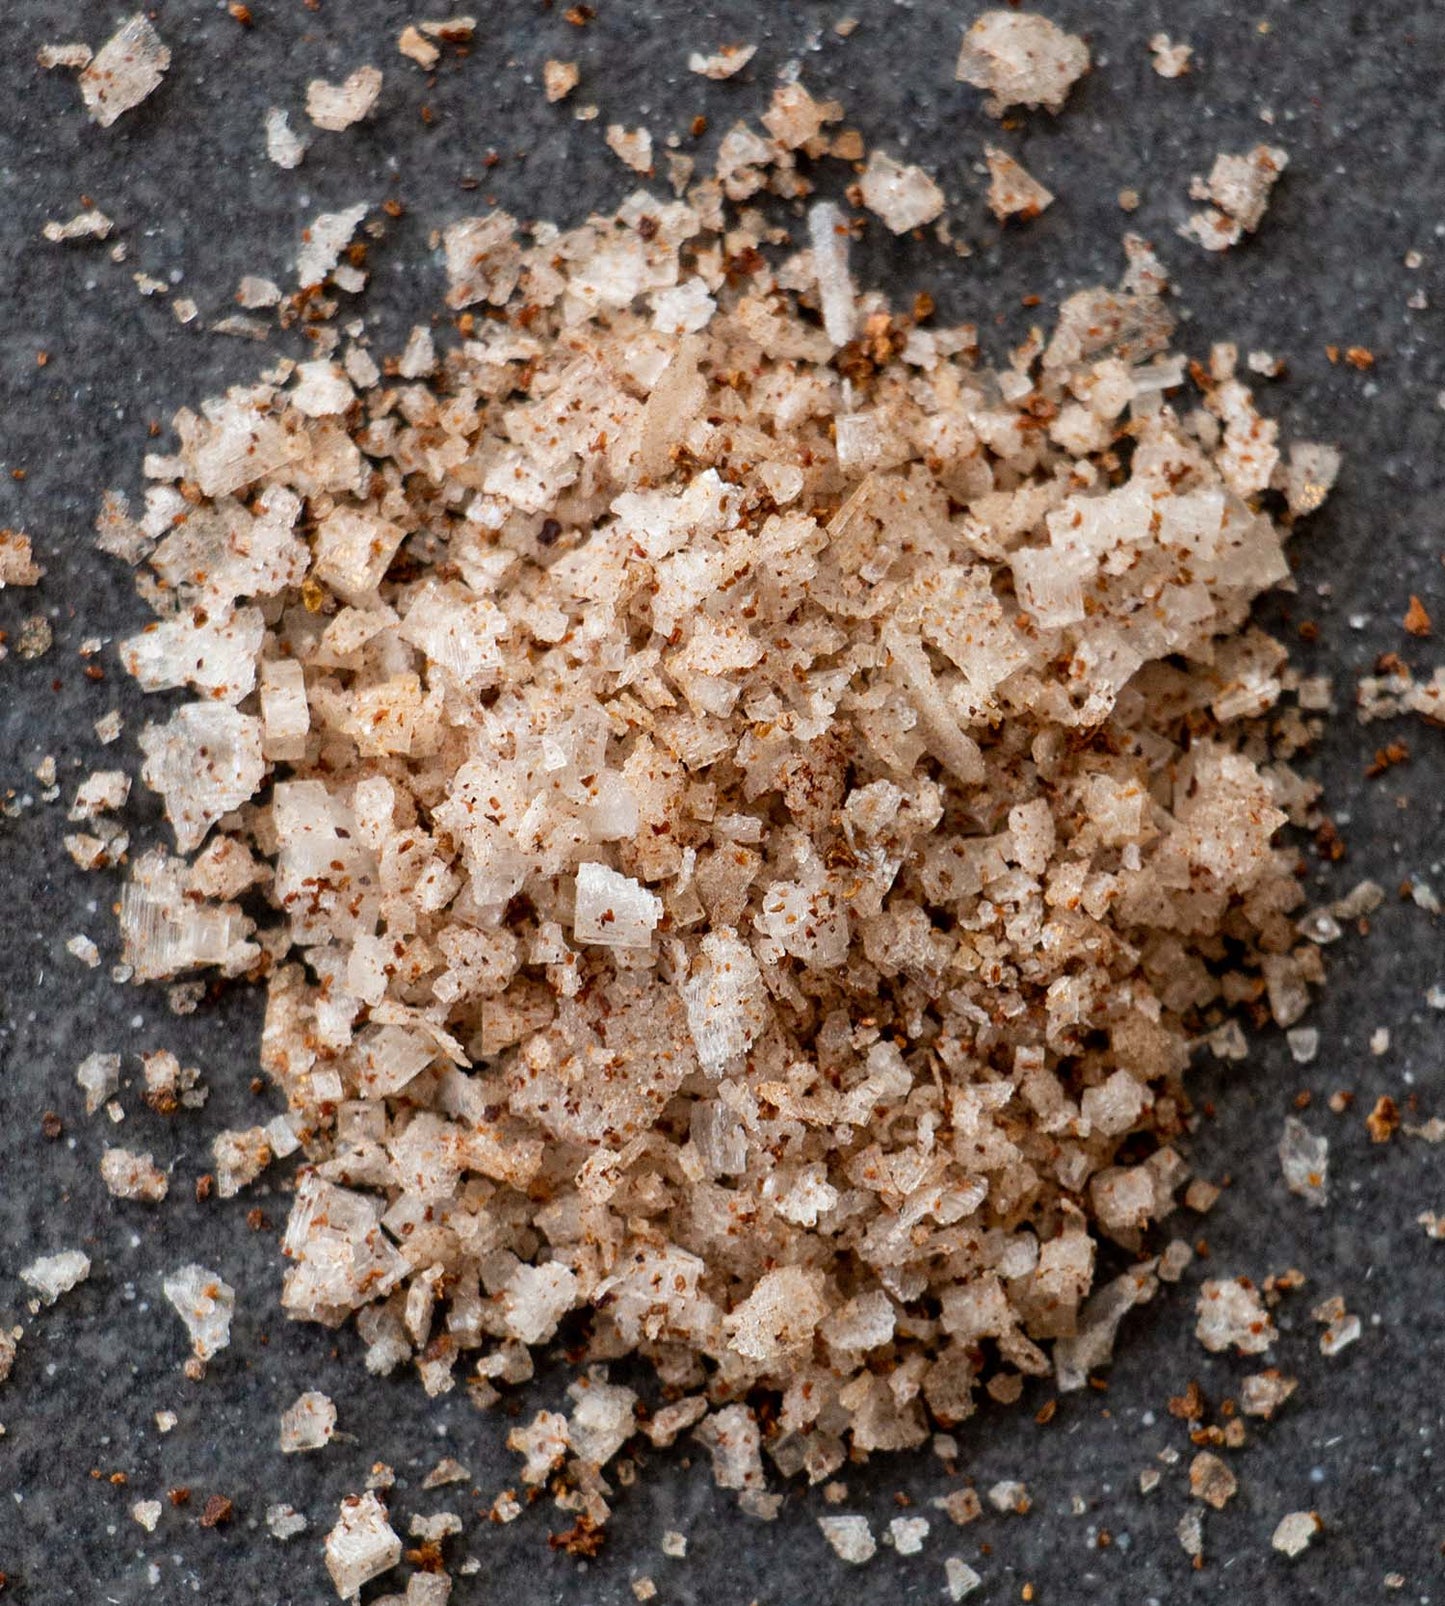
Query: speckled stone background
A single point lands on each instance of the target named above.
(1352, 90)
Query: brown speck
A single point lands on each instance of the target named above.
(1417, 620)
(217, 1511)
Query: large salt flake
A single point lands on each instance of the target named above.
(726, 1001)
(204, 761)
(204, 1301)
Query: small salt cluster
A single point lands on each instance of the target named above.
(754, 809)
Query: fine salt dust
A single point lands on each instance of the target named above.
(741, 857)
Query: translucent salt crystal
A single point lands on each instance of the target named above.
(1021, 59)
(1304, 1044)
(321, 389)
(54, 1275)
(17, 565)
(483, 259)
(1310, 471)
(1305, 1158)
(418, 359)
(1009, 1495)
(216, 656)
(284, 1521)
(101, 792)
(723, 62)
(89, 225)
(132, 1176)
(908, 1534)
(726, 1001)
(535, 1298)
(1013, 192)
(126, 69)
(960, 1580)
(1211, 1480)
(1232, 1316)
(544, 1444)
(828, 233)
(602, 1419)
(1092, 1343)
(283, 147)
(1239, 186)
(1114, 1106)
(904, 197)
(733, 1439)
(613, 910)
(1262, 1393)
(1295, 1531)
(1340, 1334)
(362, 1545)
(285, 716)
(307, 1423)
(204, 761)
(98, 1076)
(204, 1303)
(353, 550)
(1190, 1532)
(1170, 60)
(632, 146)
(851, 1538)
(778, 1316)
(337, 106)
(325, 238)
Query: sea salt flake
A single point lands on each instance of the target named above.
(1211, 1480)
(960, 1580)
(1022, 60)
(1232, 1316)
(613, 910)
(335, 107)
(307, 1423)
(904, 197)
(362, 1545)
(325, 238)
(126, 69)
(204, 1302)
(632, 146)
(723, 62)
(1170, 60)
(284, 147)
(147, 1513)
(92, 224)
(908, 1534)
(53, 1275)
(128, 1175)
(1012, 191)
(851, 1538)
(1295, 1531)
(1304, 1157)
(284, 1522)
(559, 79)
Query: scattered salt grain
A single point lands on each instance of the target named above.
(908, 1533)
(1010, 1496)
(73, 56)
(132, 1176)
(1211, 1480)
(92, 224)
(17, 563)
(1190, 1532)
(308, 1423)
(362, 1545)
(126, 69)
(559, 79)
(284, 1521)
(674, 1543)
(1021, 59)
(1262, 1393)
(1231, 1315)
(1239, 187)
(1295, 1531)
(632, 146)
(1170, 60)
(98, 1076)
(1013, 192)
(1433, 1224)
(447, 1470)
(960, 1580)
(284, 147)
(147, 1513)
(415, 46)
(851, 1538)
(205, 1304)
(904, 197)
(323, 242)
(1304, 1157)
(81, 947)
(54, 1275)
(335, 107)
(723, 62)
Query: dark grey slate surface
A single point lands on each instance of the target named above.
(1354, 93)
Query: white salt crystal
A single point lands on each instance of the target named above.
(613, 910)
(1232, 1316)
(828, 233)
(726, 1001)
(1304, 1157)
(632, 146)
(321, 389)
(1021, 59)
(98, 1076)
(325, 238)
(285, 148)
(204, 1302)
(851, 1538)
(904, 197)
(54, 1275)
(1170, 60)
(147, 1513)
(127, 67)
(960, 1579)
(908, 1534)
(723, 62)
(89, 225)
(204, 761)
(1295, 1531)
(1304, 1043)
(132, 1176)
(1012, 190)
(337, 106)
(674, 1543)
(284, 1521)
(307, 1423)
(362, 1545)
(1340, 1334)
